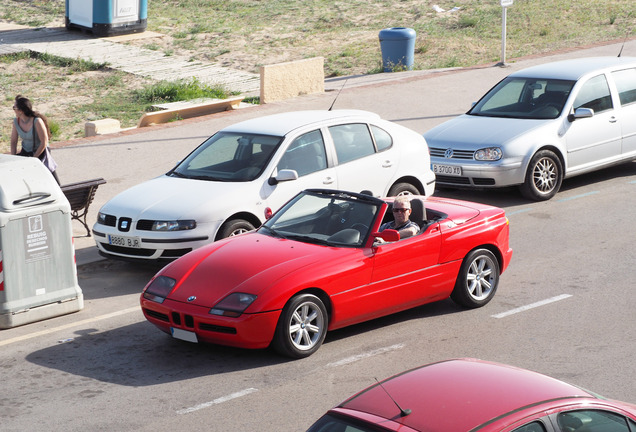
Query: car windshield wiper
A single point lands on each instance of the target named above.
(176, 174)
(271, 231)
(313, 240)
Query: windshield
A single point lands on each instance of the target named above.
(338, 423)
(229, 156)
(329, 219)
(524, 98)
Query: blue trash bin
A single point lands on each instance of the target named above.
(107, 17)
(398, 47)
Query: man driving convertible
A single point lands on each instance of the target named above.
(401, 222)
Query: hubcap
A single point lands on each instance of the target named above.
(545, 175)
(480, 278)
(306, 326)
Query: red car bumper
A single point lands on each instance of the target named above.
(252, 331)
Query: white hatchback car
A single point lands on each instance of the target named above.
(540, 125)
(228, 184)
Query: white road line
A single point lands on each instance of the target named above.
(355, 358)
(531, 306)
(218, 401)
(70, 325)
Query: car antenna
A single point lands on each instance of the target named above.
(336, 98)
(403, 412)
(623, 46)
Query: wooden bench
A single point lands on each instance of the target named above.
(80, 195)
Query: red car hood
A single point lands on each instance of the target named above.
(248, 263)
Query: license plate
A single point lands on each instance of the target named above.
(185, 335)
(129, 242)
(449, 170)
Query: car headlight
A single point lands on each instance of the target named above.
(179, 225)
(489, 154)
(159, 289)
(101, 218)
(233, 305)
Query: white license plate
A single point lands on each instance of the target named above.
(449, 170)
(129, 242)
(185, 335)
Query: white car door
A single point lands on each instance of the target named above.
(592, 140)
(306, 156)
(360, 166)
(625, 81)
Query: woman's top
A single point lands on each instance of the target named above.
(27, 137)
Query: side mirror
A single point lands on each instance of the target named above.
(283, 175)
(581, 113)
(388, 235)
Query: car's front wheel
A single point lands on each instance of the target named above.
(544, 176)
(403, 189)
(302, 327)
(477, 279)
(234, 227)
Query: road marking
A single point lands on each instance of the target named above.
(578, 196)
(66, 326)
(518, 211)
(355, 358)
(532, 306)
(218, 401)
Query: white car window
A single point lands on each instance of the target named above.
(626, 84)
(306, 154)
(594, 94)
(352, 141)
(383, 140)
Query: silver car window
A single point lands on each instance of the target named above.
(306, 154)
(594, 94)
(626, 84)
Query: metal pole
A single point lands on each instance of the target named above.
(503, 36)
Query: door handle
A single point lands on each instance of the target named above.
(612, 119)
(387, 164)
(327, 180)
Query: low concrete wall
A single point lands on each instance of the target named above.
(286, 80)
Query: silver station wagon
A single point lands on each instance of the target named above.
(541, 125)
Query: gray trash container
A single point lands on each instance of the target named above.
(38, 277)
(398, 47)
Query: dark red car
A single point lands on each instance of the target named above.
(473, 395)
(315, 266)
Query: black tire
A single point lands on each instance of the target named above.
(234, 227)
(543, 177)
(477, 279)
(403, 189)
(302, 327)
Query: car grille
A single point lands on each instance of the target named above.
(110, 220)
(187, 321)
(465, 181)
(457, 154)
(157, 315)
(218, 329)
(145, 225)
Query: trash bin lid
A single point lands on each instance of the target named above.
(26, 182)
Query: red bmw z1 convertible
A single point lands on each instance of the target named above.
(318, 264)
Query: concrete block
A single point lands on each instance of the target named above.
(101, 127)
(287, 80)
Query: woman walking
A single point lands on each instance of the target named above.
(32, 128)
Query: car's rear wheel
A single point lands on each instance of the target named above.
(235, 227)
(544, 176)
(403, 189)
(302, 327)
(477, 279)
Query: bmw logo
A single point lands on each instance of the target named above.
(448, 153)
(192, 298)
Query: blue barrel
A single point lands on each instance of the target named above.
(107, 17)
(397, 45)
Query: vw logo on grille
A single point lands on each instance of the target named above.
(448, 153)
(192, 298)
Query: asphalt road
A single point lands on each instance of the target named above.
(565, 306)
